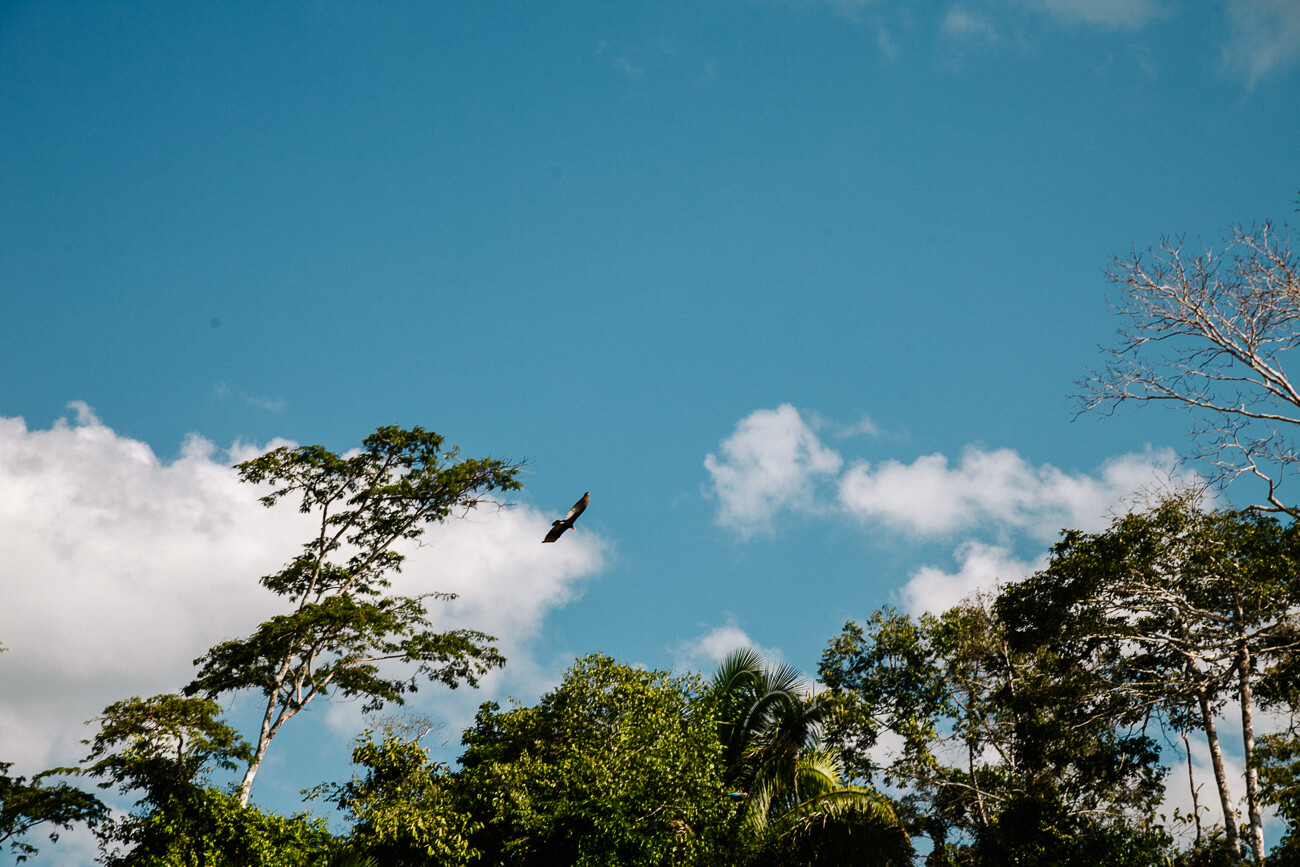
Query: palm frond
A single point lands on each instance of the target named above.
(771, 728)
(740, 666)
(847, 826)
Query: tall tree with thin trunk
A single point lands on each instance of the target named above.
(1171, 608)
(986, 734)
(344, 632)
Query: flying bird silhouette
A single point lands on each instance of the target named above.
(558, 527)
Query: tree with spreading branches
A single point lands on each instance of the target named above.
(999, 754)
(162, 750)
(1170, 610)
(614, 767)
(345, 634)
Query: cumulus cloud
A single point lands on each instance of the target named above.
(982, 568)
(119, 569)
(705, 651)
(1264, 38)
(772, 462)
(994, 488)
(775, 462)
(988, 504)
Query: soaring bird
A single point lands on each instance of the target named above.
(558, 527)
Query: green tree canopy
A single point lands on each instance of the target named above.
(343, 625)
(616, 766)
(25, 805)
(985, 737)
(1172, 612)
(402, 808)
(796, 803)
(162, 750)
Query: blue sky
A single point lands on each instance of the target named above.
(798, 291)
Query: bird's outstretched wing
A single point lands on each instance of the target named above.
(558, 527)
(578, 508)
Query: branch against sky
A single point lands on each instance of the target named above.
(1209, 331)
(1178, 608)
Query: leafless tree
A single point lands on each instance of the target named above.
(1210, 331)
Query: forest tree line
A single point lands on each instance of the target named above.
(1034, 724)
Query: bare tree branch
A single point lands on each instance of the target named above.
(1210, 331)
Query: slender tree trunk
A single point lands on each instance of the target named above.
(1191, 784)
(1248, 748)
(263, 741)
(979, 796)
(1220, 778)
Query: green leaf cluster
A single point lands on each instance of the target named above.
(28, 804)
(162, 750)
(796, 803)
(344, 626)
(616, 766)
(984, 733)
(402, 810)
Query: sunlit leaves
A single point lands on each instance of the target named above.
(401, 808)
(616, 766)
(343, 627)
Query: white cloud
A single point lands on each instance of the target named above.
(118, 570)
(76, 847)
(775, 462)
(885, 43)
(772, 462)
(989, 502)
(1264, 37)
(997, 488)
(967, 24)
(865, 426)
(983, 567)
(705, 651)
(1110, 14)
